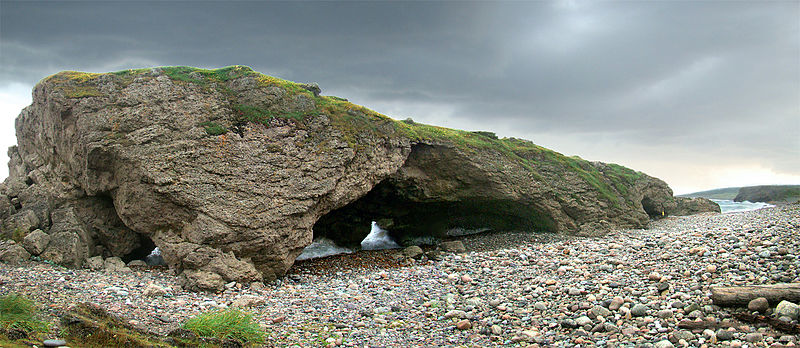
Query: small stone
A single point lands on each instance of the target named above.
(413, 252)
(569, 323)
(758, 305)
(583, 321)
(787, 309)
(664, 344)
(610, 327)
(466, 278)
(600, 311)
(496, 330)
(764, 254)
(639, 310)
(474, 301)
(695, 314)
(455, 314)
(278, 319)
(54, 343)
(550, 282)
(754, 337)
(245, 301)
(540, 306)
(137, 263)
(724, 335)
(663, 286)
(664, 314)
(574, 291)
(455, 246)
(711, 269)
(464, 325)
(682, 335)
(257, 286)
(616, 302)
(691, 308)
(677, 304)
(434, 255)
(153, 290)
(654, 276)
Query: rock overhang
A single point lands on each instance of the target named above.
(228, 171)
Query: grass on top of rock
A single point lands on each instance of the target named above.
(227, 324)
(355, 121)
(18, 312)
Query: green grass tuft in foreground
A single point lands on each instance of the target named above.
(18, 312)
(227, 324)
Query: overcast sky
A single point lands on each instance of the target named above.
(702, 94)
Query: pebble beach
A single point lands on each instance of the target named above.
(627, 288)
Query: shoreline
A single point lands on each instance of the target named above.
(513, 287)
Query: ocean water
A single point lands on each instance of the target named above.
(377, 239)
(729, 206)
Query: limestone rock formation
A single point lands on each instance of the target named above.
(769, 194)
(231, 173)
(688, 206)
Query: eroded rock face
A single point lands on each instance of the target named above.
(688, 206)
(230, 172)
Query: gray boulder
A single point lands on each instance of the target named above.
(787, 309)
(36, 242)
(69, 240)
(114, 264)
(11, 252)
(413, 252)
(95, 263)
(455, 246)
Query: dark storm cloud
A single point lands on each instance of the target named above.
(688, 74)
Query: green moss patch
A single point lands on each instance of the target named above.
(212, 128)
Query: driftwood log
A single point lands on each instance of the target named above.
(742, 295)
(704, 324)
(775, 323)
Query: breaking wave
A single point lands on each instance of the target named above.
(729, 206)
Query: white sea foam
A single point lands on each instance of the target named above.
(322, 247)
(729, 206)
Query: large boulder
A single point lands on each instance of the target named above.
(11, 252)
(231, 173)
(36, 242)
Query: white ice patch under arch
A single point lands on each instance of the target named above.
(378, 239)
